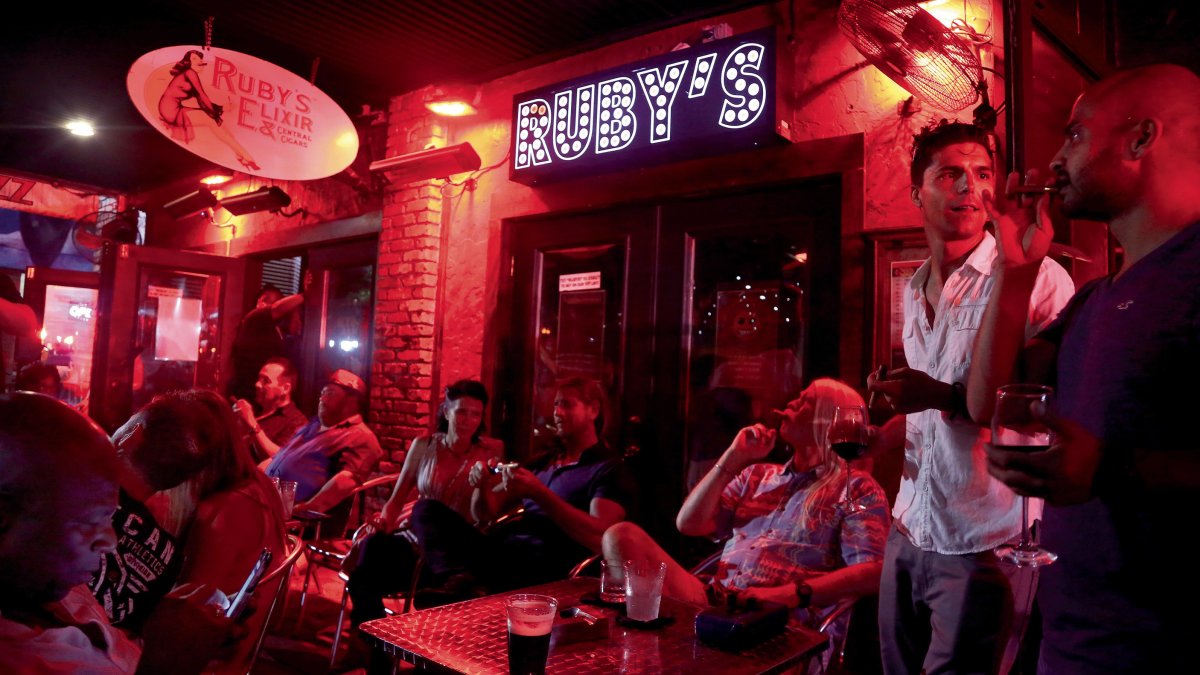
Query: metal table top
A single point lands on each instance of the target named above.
(472, 637)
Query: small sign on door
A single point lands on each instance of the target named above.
(164, 292)
(584, 281)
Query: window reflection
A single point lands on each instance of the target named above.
(346, 338)
(176, 339)
(747, 334)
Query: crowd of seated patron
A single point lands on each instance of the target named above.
(570, 497)
(58, 492)
(194, 509)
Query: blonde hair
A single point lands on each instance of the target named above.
(826, 395)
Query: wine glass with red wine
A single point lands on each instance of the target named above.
(1014, 427)
(848, 436)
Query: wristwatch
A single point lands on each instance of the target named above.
(803, 594)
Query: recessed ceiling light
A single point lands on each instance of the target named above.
(80, 128)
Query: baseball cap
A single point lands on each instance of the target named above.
(349, 380)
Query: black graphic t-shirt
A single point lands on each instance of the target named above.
(132, 580)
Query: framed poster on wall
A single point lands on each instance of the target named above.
(894, 257)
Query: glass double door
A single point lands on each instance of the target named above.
(162, 325)
(698, 316)
(163, 322)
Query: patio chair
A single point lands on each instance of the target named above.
(329, 553)
(273, 586)
(706, 568)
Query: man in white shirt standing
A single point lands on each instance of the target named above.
(946, 604)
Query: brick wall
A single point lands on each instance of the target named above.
(406, 288)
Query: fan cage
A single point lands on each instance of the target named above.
(945, 72)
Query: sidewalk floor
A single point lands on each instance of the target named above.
(292, 648)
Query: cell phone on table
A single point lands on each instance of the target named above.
(237, 606)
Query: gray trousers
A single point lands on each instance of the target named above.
(949, 613)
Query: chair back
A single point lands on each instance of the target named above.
(510, 516)
(358, 503)
(274, 586)
(583, 565)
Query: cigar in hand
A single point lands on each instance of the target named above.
(502, 466)
(879, 375)
(1034, 190)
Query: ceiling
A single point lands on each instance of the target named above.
(57, 63)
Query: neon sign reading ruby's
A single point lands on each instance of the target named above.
(715, 98)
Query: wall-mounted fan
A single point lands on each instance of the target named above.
(914, 49)
(91, 231)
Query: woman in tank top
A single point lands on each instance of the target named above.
(437, 465)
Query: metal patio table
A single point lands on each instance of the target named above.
(472, 637)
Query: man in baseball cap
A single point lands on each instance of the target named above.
(332, 454)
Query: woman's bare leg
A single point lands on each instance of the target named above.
(200, 118)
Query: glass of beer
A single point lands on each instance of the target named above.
(530, 618)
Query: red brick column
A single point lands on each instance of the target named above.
(406, 287)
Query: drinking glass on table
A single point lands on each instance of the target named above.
(1014, 427)
(612, 582)
(643, 588)
(848, 436)
(530, 620)
(287, 493)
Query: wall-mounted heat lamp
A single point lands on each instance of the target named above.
(426, 164)
(453, 100)
(191, 203)
(263, 199)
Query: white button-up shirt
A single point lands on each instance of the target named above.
(948, 503)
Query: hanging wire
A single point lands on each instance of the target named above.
(966, 31)
(208, 27)
(475, 175)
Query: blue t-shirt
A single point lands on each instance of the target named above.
(597, 473)
(314, 455)
(1122, 597)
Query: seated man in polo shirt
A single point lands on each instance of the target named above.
(280, 417)
(570, 497)
(332, 454)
